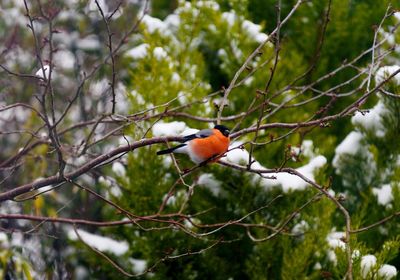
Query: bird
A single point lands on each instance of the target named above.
(204, 145)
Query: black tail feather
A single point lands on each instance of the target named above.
(170, 150)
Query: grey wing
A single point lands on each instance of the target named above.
(204, 133)
(200, 134)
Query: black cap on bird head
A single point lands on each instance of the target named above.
(224, 130)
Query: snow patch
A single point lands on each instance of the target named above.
(332, 256)
(115, 191)
(237, 52)
(367, 263)
(371, 120)
(168, 129)
(17, 239)
(166, 162)
(139, 266)
(254, 31)
(154, 24)
(387, 271)
(14, 16)
(138, 52)
(350, 145)
(81, 273)
(3, 238)
(172, 20)
(383, 194)
(139, 98)
(104, 181)
(99, 87)
(175, 77)
(306, 149)
(92, 7)
(384, 72)
(397, 15)
(208, 4)
(69, 15)
(285, 180)
(171, 199)
(317, 266)
(236, 154)
(248, 81)
(159, 53)
(356, 254)
(229, 17)
(101, 243)
(119, 169)
(293, 182)
(208, 180)
(21, 114)
(334, 240)
(64, 59)
(89, 43)
(45, 69)
(300, 228)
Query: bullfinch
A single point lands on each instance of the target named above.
(203, 145)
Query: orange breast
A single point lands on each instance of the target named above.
(205, 148)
